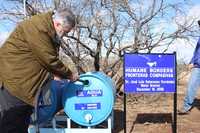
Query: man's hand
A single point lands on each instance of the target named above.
(190, 66)
(74, 77)
(56, 77)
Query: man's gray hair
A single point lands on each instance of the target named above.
(66, 16)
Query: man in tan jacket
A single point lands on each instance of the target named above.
(27, 59)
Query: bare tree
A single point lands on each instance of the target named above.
(108, 28)
(112, 27)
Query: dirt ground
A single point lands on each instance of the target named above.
(156, 116)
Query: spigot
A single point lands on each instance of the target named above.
(88, 118)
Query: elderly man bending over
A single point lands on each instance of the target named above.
(28, 57)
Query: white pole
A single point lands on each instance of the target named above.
(24, 8)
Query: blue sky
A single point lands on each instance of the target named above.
(5, 25)
(186, 51)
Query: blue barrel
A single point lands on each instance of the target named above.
(91, 103)
(50, 101)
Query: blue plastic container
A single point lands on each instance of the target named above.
(92, 103)
(49, 106)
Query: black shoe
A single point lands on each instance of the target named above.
(184, 112)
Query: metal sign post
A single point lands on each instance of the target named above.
(150, 73)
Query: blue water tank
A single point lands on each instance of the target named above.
(91, 103)
(50, 100)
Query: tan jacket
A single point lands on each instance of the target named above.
(28, 57)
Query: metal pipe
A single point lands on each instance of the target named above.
(85, 82)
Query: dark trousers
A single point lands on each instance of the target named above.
(14, 113)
